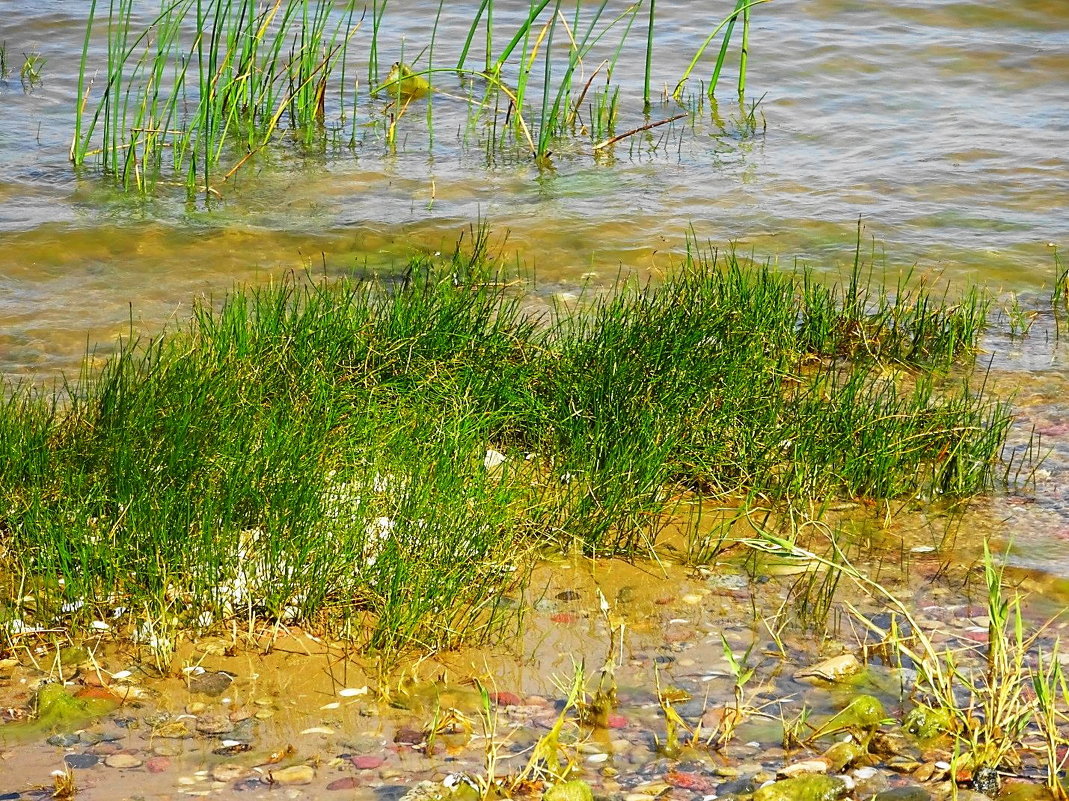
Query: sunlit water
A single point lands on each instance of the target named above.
(944, 125)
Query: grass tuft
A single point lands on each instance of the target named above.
(377, 457)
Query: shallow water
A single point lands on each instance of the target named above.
(303, 700)
(942, 124)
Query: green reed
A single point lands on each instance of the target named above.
(727, 25)
(192, 94)
(204, 82)
(376, 457)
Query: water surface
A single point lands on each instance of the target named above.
(941, 124)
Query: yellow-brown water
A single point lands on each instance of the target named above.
(943, 124)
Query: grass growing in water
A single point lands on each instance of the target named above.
(191, 94)
(377, 457)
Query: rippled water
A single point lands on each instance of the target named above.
(942, 124)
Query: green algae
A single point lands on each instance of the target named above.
(59, 711)
(803, 788)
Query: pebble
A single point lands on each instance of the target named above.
(685, 780)
(228, 772)
(296, 774)
(173, 730)
(912, 792)
(346, 783)
(157, 764)
(408, 736)
(214, 724)
(211, 683)
(506, 699)
(367, 762)
(835, 669)
(803, 768)
(80, 761)
(123, 761)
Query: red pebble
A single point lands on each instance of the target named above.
(368, 762)
(348, 783)
(157, 764)
(564, 617)
(617, 722)
(688, 781)
(506, 699)
(98, 694)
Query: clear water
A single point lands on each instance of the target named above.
(943, 125)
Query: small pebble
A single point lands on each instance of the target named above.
(506, 699)
(123, 761)
(80, 761)
(228, 772)
(294, 775)
(346, 783)
(214, 724)
(367, 762)
(211, 683)
(63, 740)
(157, 764)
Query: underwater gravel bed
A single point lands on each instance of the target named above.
(296, 718)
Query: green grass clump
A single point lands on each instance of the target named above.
(378, 456)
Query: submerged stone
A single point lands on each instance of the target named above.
(73, 656)
(1025, 791)
(293, 775)
(211, 683)
(835, 669)
(123, 761)
(865, 713)
(229, 772)
(842, 755)
(817, 787)
(924, 723)
(346, 783)
(80, 761)
(65, 740)
(575, 790)
(911, 792)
